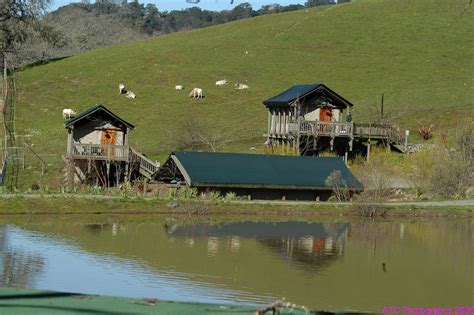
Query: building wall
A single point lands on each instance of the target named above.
(88, 133)
(314, 115)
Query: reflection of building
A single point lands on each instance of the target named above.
(314, 245)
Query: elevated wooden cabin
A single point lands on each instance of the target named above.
(312, 118)
(98, 151)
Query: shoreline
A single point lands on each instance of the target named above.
(67, 204)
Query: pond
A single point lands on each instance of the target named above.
(335, 264)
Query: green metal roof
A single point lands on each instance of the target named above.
(259, 171)
(303, 90)
(25, 301)
(92, 110)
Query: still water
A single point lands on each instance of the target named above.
(331, 264)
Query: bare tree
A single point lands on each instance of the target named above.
(20, 20)
(192, 135)
(338, 186)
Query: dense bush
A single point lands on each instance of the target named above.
(446, 168)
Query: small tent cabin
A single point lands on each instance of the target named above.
(312, 118)
(257, 176)
(302, 108)
(98, 151)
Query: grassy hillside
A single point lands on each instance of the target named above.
(418, 53)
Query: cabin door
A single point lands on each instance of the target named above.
(325, 114)
(109, 137)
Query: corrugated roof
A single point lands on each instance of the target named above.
(260, 171)
(303, 90)
(92, 110)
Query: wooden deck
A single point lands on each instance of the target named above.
(100, 152)
(114, 153)
(339, 129)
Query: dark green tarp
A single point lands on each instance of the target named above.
(261, 171)
(304, 90)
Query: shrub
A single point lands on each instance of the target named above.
(186, 193)
(375, 176)
(211, 195)
(338, 186)
(446, 169)
(425, 132)
(230, 196)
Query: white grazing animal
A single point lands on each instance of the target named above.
(179, 87)
(196, 93)
(221, 82)
(241, 86)
(130, 95)
(121, 88)
(68, 113)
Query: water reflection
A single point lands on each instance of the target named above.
(20, 268)
(330, 265)
(309, 246)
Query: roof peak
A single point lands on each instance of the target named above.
(302, 90)
(92, 110)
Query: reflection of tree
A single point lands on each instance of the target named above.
(19, 268)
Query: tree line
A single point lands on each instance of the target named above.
(83, 26)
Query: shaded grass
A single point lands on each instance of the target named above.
(199, 208)
(418, 53)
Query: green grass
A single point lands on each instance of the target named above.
(190, 209)
(418, 53)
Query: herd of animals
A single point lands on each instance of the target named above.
(196, 93)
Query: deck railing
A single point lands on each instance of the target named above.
(378, 131)
(146, 164)
(322, 128)
(100, 152)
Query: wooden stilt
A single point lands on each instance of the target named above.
(70, 173)
(368, 143)
(108, 174)
(126, 177)
(368, 150)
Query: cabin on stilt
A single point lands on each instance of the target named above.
(98, 151)
(312, 118)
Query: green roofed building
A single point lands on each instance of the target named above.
(257, 176)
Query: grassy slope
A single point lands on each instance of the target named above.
(417, 52)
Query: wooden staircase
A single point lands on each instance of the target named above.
(147, 167)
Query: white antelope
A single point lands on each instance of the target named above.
(221, 82)
(241, 86)
(68, 113)
(196, 93)
(130, 95)
(121, 88)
